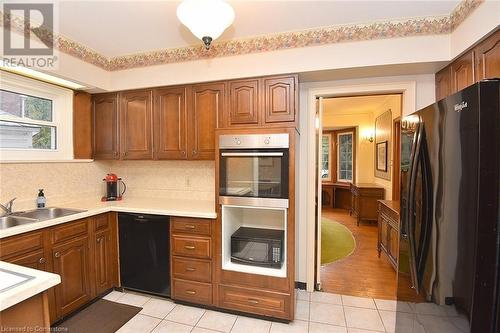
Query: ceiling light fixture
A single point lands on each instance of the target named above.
(206, 19)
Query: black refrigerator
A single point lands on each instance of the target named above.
(448, 269)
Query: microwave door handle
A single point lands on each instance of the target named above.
(249, 154)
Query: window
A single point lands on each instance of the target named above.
(35, 120)
(26, 122)
(326, 157)
(345, 156)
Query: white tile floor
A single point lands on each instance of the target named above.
(315, 313)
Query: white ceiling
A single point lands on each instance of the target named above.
(115, 28)
(353, 105)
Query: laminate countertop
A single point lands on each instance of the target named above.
(20, 283)
(158, 206)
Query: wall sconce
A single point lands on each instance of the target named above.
(368, 135)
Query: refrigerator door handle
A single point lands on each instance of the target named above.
(410, 211)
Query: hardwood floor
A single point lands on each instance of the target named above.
(362, 273)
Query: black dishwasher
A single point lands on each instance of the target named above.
(144, 253)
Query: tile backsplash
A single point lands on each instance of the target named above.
(66, 182)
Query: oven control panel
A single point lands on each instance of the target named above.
(254, 141)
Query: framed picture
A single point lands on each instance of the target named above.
(382, 156)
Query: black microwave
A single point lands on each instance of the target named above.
(257, 247)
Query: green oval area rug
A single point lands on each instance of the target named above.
(337, 241)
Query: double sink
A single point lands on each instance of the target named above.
(35, 215)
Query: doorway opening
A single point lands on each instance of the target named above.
(358, 171)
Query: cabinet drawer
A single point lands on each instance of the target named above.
(190, 291)
(192, 269)
(192, 247)
(191, 226)
(69, 231)
(101, 222)
(255, 301)
(17, 245)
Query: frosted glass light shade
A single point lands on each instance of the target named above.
(206, 18)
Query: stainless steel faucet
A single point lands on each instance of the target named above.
(7, 207)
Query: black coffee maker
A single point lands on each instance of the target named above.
(114, 189)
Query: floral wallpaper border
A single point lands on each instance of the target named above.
(265, 43)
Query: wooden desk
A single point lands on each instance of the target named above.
(364, 198)
(388, 230)
(336, 195)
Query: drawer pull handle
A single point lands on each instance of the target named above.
(189, 226)
(42, 260)
(190, 292)
(57, 255)
(189, 247)
(253, 301)
(190, 269)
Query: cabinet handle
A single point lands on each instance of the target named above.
(42, 260)
(195, 152)
(99, 240)
(189, 247)
(189, 226)
(190, 269)
(253, 301)
(57, 255)
(190, 292)
(183, 153)
(115, 154)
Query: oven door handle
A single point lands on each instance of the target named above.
(252, 154)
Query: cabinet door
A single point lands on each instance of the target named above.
(71, 262)
(136, 133)
(488, 58)
(35, 260)
(384, 235)
(279, 99)
(207, 104)
(462, 72)
(82, 125)
(170, 137)
(394, 243)
(103, 261)
(443, 83)
(105, 120)
(243, 103)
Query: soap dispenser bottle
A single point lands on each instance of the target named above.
(40, 201)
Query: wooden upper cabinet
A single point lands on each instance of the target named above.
(136, 136)
(82, 125)
(443, 83)
(488, 58)
(462, 72)
(244, 103)
(207, 106)
(105, 115)
(170, 113)
(280, 97)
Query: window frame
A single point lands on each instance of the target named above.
(353, 142)
(62, 119)
(329, 135)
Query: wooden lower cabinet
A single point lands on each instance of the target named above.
(192, 291)
(388, 230)
(364, 201)
(191, 260)
(103, 261)
(260, 302)
(30, 315)
(82, 252)
(71, 262)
